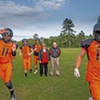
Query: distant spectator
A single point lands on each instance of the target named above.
(55, 53)
(44, 57)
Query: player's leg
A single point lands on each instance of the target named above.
(35, 63)
(30, 70)
(11, 89)
(7, 81)
(25, 67)
(90, 98)
(2, 72)
(29, 66)
(95, 90)
(12, 65)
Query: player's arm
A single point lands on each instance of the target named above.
(39, 56)
(30, 52)
(84, 44)
(79, 58)
(33, 47)
(14, 50)
(3, 31)
(20, 52)
(78, 62)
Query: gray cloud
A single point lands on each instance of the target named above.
(50, 4)
(20, 16)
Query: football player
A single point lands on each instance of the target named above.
(26, 51)
(91, 47)
(7, 50)
(36, 48)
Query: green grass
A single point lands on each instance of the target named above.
(65, 87)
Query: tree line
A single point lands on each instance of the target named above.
(67, 37)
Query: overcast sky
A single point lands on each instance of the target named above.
(45, 17)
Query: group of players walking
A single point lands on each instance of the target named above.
(91, 47)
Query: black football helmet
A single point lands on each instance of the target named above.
(7, 35)
(24, 40)
(96, 32)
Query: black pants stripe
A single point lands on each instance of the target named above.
(43, 69)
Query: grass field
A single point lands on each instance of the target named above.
(64, 87)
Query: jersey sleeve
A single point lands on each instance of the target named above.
(86, 43)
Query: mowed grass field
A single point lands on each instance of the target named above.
(64, 87)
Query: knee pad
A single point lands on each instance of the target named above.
(9, 85)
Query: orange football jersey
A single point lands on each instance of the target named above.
(5, 51)
(37, 47)
(93, 53)
(25, 50)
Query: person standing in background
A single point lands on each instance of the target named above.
(54, 59)
(44, 58)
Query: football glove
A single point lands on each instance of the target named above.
(76, 72)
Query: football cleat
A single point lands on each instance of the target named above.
(90, 98)
(35, 72)
(25, 74)
(13, 97)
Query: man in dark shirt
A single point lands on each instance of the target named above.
(55, 53)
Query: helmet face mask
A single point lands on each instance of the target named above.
(96, 32)
(37, 41)
(97, 36)
(7, 35)
(24, 41)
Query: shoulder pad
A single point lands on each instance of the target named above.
(86, 43)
